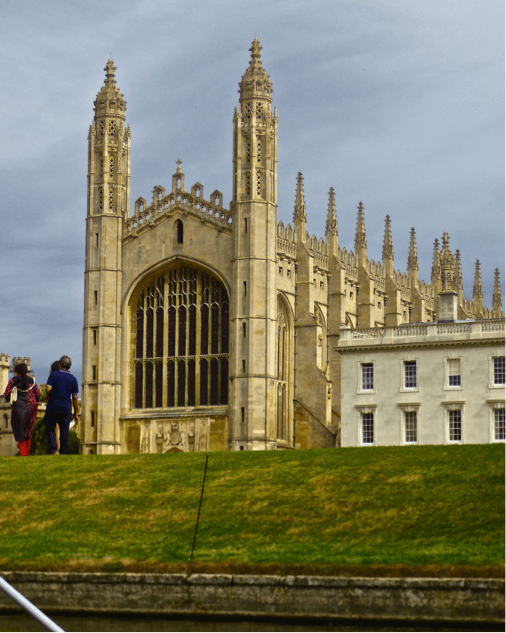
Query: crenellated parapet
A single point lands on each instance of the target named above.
(165, 204)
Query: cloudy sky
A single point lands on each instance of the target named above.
(397, 103)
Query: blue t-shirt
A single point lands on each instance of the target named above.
(63, 385)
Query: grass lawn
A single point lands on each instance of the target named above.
(423, 510)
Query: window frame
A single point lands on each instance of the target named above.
(366, 410)
(492, 372)
(360, 366)
(447, 375)
(403, 364)
(494, 406)
(405, 408)
(451, 407)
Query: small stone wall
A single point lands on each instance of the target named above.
(476, 600)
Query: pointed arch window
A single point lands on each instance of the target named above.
(181, 341)
(179, 227)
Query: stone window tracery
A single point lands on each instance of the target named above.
(247, 179)
(247, 142)
(111, 166)
(181, 341)
(258, 110)
(259, 150)
(248, 111)
(259, 184)
(112, 128)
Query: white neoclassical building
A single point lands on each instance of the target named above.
(430, 383)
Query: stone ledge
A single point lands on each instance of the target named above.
(241, 595)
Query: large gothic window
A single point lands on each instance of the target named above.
(181, 341)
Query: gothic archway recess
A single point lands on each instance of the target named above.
(181, 338)
(284, 372)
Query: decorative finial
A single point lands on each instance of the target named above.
(459, 283)
(299, 212)
(497, 296)
(331, 225)
(388, 246)
(477, 286)
(360, 237)
(447, 261)
(412, 255)
(255, 48)
(178, 162)
(436, 262)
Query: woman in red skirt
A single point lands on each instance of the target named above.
(23, 393)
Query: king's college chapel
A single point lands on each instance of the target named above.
(215, 328)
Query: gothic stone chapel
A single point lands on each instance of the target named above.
(209, 328)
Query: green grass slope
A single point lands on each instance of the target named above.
(421, 508)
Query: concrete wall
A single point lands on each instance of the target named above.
(478, 600)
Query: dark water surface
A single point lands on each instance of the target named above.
(22, 622)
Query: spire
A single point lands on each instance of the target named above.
(459, 284)
(436, 262)
(255, 82)
(496, 296)
(360, 237)
(109, 100)
(477, 286)
(299, 212)
(447, 264)
(331, 225)
(388, 246)
(412, 255)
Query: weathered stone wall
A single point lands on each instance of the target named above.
(477, 600)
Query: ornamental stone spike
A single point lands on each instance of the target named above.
(255, 82)
(388, 246)
(109, 100)
(477, 286)
(360, 236)
(412, 255)
(459, 283)
(331, 224)
(497, 296)
(436, 262)
(299, 211)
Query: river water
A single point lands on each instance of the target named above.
(22, 622)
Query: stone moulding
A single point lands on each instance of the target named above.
(408, 599)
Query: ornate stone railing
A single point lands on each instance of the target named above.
(368, 333)
(453, 328)
(320, 260)
(493, 326)
(286, 247)
(430, 331)
(181, 200)
(410, 330)
(351, 271)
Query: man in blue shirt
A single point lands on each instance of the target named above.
(61, 389)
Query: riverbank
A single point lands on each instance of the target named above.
(428, 600)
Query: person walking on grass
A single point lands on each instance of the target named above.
(61, 389)
(23, 393)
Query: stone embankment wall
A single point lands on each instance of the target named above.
(420, 599)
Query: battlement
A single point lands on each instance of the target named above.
(178, 199)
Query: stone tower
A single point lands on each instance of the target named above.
(108, 204)
(253, 319)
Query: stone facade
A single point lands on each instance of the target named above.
(434, 383)
(218, 327)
